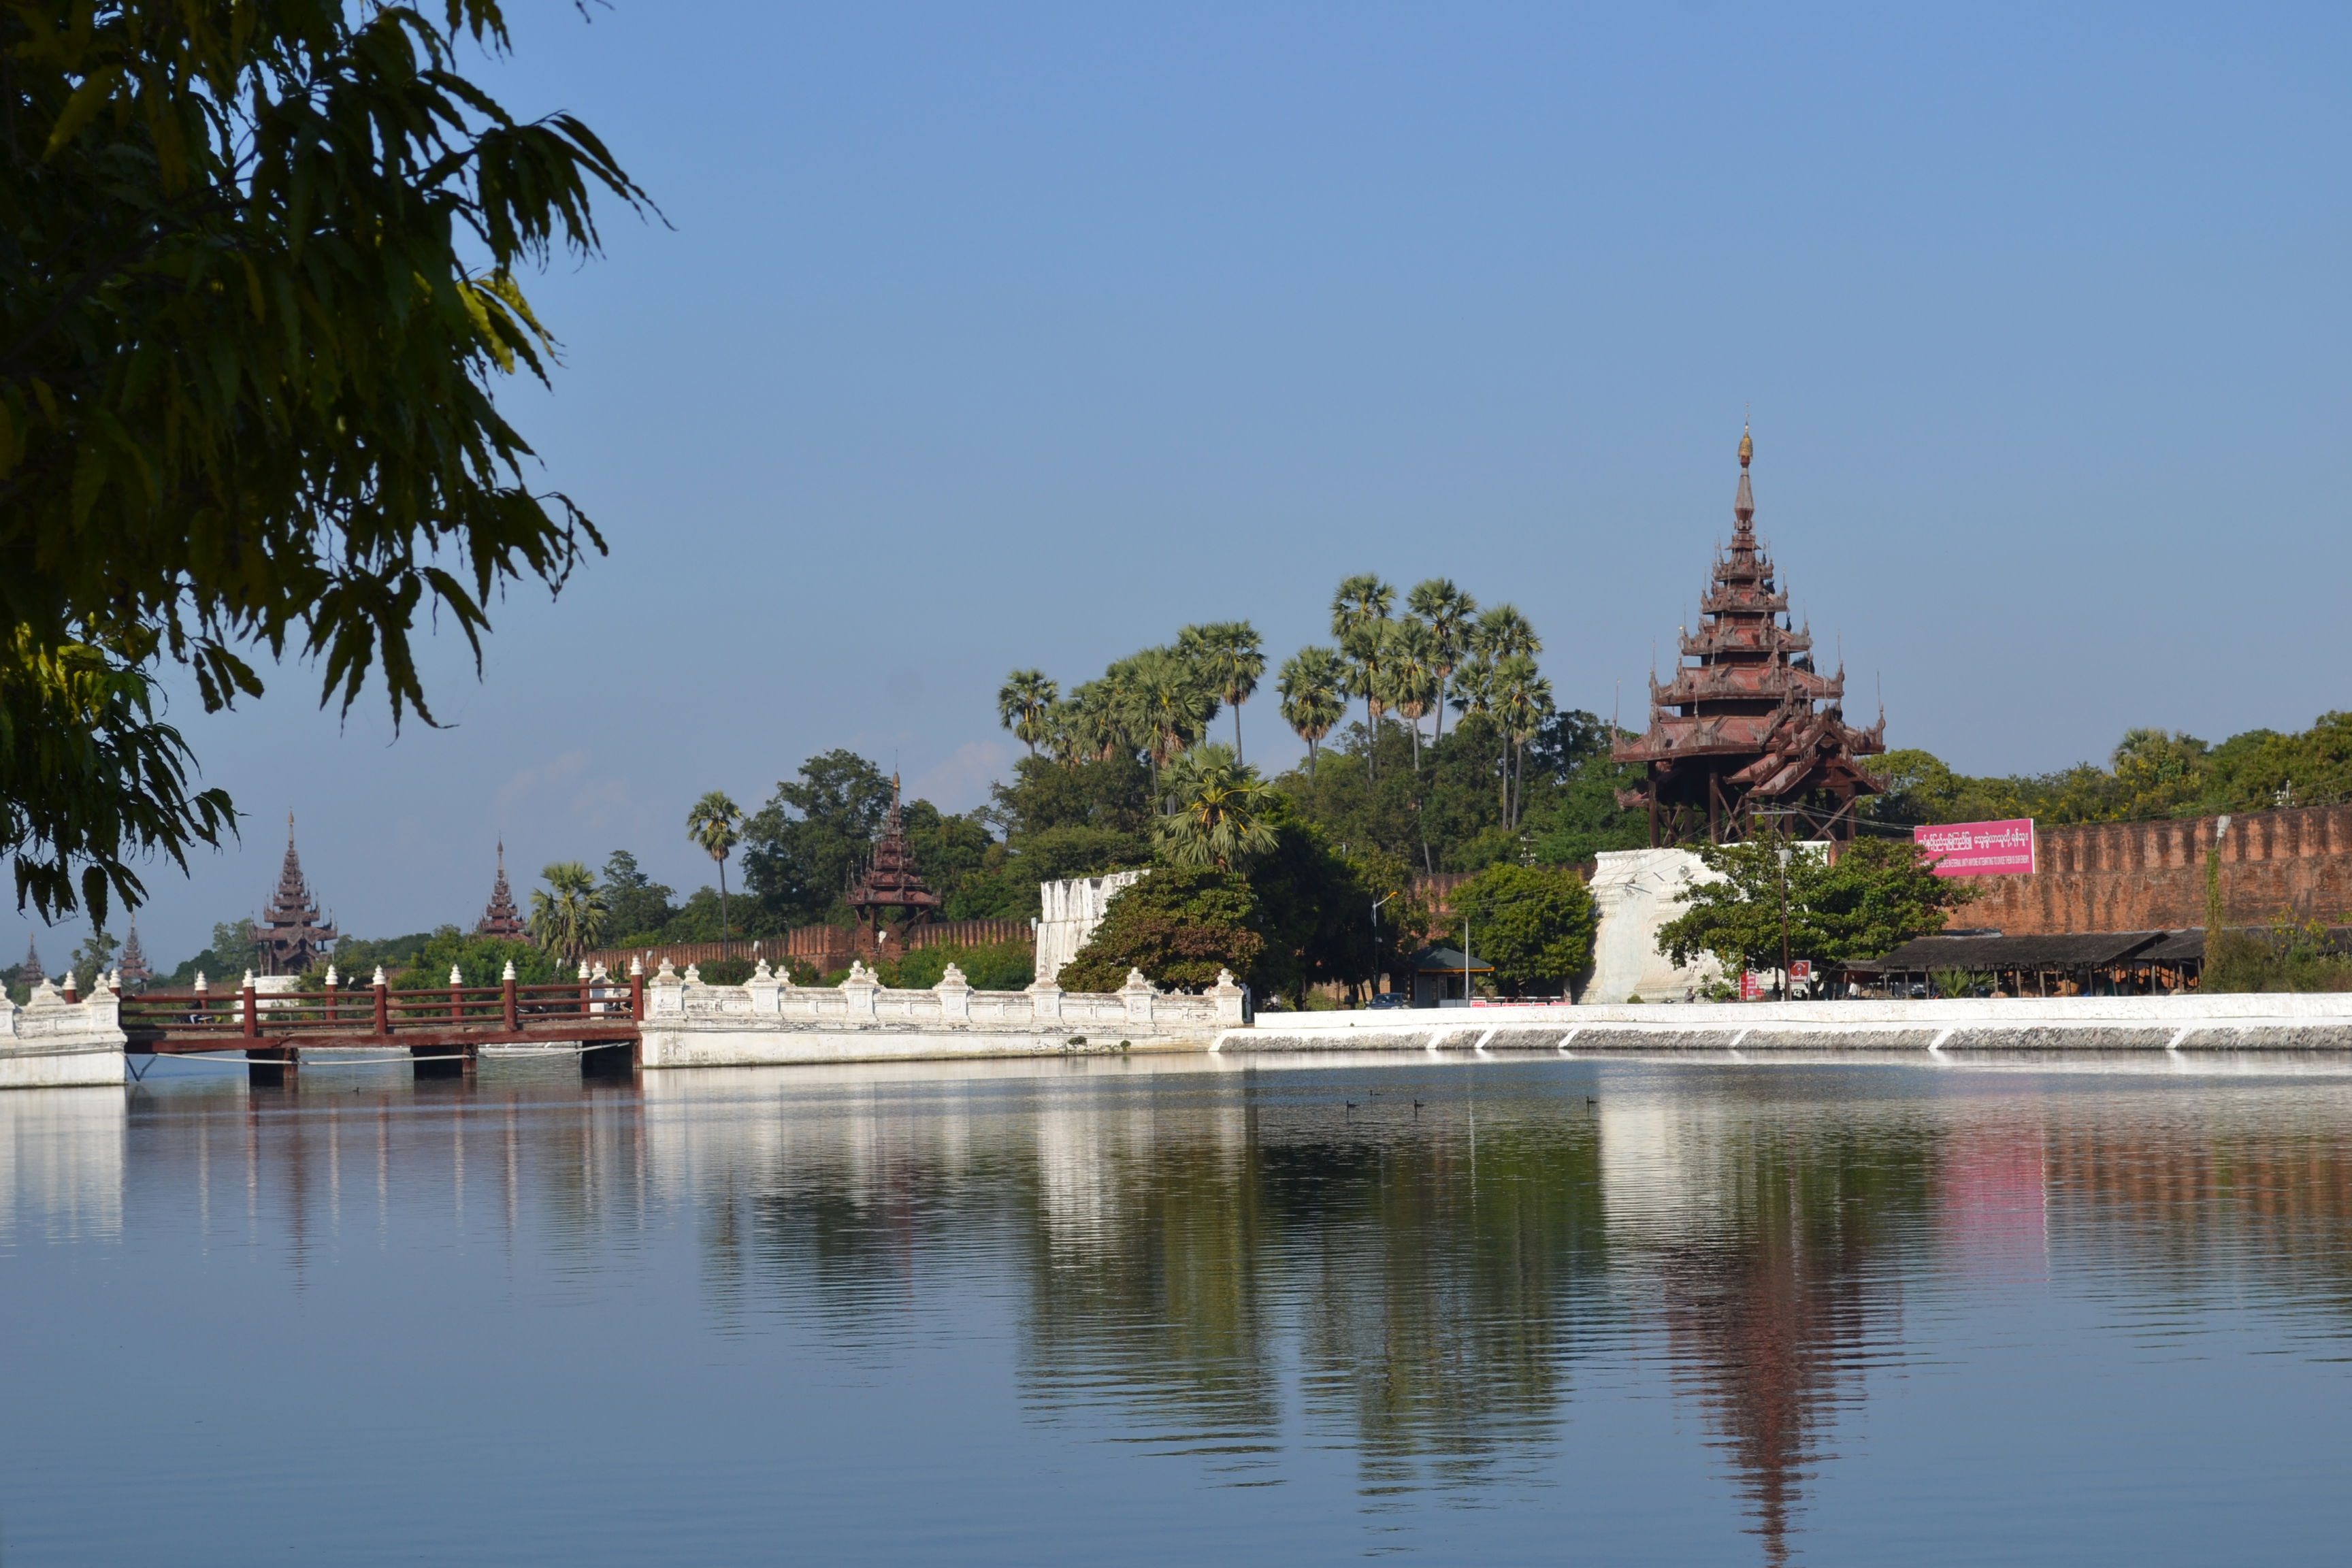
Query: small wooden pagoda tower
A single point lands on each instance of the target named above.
(500, 918)
(292, 934)
(32, 973)
(1749, 736)
(131, 968)
(890, 882)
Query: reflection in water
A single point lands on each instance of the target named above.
(61, 1165)
(1430, 1268)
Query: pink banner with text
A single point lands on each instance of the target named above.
(1979, 848)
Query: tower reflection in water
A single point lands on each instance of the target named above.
(1236, 1266)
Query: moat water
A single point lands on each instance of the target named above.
(1163, 1310)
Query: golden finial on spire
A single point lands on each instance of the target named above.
(1746, 445)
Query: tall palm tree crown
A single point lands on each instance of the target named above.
(1410, 677)
(1450, 613)
(1221, 808)
(1023, 703)
(1359, 614)
(1232, 658)
(715, 825)
(1313, 685)
(567, 916)
(1502, 632)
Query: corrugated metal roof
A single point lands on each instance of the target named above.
(2068, 950)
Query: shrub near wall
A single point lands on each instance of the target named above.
(1179, 926)
(995, 966)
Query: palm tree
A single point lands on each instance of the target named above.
(1358, 610)
(1221, 808)
(1163, 703)
(567, 917)
(1023, 702)
(1093, 723)
(1522, 699)
(1411, 675)
(1450, 613)
(1313, 685)
(1503, 633)
(1229, 654)
(715, 825)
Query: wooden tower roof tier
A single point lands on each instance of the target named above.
(1748, 731)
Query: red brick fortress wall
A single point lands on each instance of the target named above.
(2148, 876)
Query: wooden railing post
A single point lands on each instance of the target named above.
(382, 1003)
(252, 1008)
(456, 994)
(583, 988)
(507, 995)
(637, 989)
(331, 983)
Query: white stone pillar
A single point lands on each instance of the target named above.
(1137, 994)
(955, 996)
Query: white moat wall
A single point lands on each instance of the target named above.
(53, 1043)
(767, 1019)
(1070, 912)
(1636, 892)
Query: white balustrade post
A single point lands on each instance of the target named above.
(1137, 995)
(1232, 1001)
(955, 996)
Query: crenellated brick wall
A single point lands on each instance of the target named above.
(2145, 876)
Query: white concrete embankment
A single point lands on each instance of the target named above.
(51, 1043)
(2191, 1022)
(768, 1021)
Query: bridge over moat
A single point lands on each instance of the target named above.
(441, 1029)
(612, 1022)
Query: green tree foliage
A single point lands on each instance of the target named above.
(2151, 774)
(1179, 926)
(568, 916)
(1314, 690)
(636, 908)
(799, 849)
(714, 824)
(998, 966)
(1877, 895)
(478, 960)
(260, 280)
(1025, 705)
(1218, 811)
(93, 958)
(1315, 911)
(1230, 658)
(1451, 616)
(1534, 923)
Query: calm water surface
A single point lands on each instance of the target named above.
(1611, 1312)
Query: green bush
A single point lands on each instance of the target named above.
(1179, 926)
(997, 966)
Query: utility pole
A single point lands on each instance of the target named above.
(1784, 911)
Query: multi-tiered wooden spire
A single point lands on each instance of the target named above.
(293, 934)
(890, 881)
(500, 918)
(1748, 731)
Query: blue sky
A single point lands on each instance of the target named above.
(1022, 334)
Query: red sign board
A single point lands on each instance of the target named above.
(1801, 968)
(1979, 848)
(1751, 987)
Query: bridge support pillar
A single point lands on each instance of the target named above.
(444, 1062)
(615, 1060)
(271, 1066)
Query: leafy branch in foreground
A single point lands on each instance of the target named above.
(258, 279)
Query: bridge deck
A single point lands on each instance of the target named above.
(378, 1018)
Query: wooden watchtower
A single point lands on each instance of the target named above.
(1748, 728)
